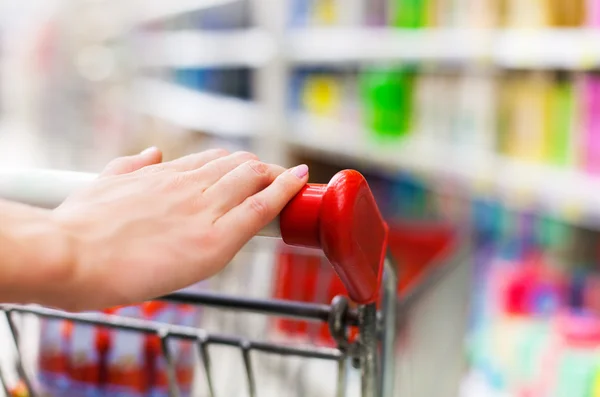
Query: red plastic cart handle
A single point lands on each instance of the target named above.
(343, 220)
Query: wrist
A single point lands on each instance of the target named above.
(36, 257)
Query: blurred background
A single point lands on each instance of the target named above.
(484, 114)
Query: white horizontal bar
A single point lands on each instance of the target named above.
(528, 48)
(153, 10)
(41, 187)
(49, 188)
(194, 48)
(198, 111)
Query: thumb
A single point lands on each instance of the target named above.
(127, 164)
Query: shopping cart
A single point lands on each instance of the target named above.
(342, 220)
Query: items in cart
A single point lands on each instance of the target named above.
(90, 361)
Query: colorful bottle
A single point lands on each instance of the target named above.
(562, 125)
(388, 102)
(187, 316)
(593, 13)
(324, 12)
(160, 312)
(475, 113)
(321, 95)
(85, 361)
(376, 12)
(53, 361)
(528, 124)
(300, 13)
(409, 14)
(127, 374)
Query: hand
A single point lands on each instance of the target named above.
(147, 228)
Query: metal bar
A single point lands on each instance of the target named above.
(5, 387)
(246, 347)
(19, 361)
(178, 332)
(389, 332)
(275, 307)
(342, 376)
(47, 188)
(170, 363)
(205, 358)
(368, 350)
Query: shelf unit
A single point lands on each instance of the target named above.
(275, 49)
(566, 194)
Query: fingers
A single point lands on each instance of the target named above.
(242, 182)
(258, 210)
(196, 160)
(125, 165)
(209, 174)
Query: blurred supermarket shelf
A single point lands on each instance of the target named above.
(564, 193)
(197, 111)
(203, 49)
(546, 48)
(149, 11)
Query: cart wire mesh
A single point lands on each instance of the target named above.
(363, 353)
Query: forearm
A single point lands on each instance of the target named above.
(34, 256)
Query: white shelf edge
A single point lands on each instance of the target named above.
(186, 108)
(545, 48)
(194, 48)
(150, 11)
(566, 194)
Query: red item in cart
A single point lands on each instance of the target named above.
(187, 316)
(160, 312)
(126, 374)
(305, 277)
(53, 359)
(86, 359)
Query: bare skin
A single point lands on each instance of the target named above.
(143, 229)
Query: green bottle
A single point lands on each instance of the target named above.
(409, 14)
(562, 112)
(387, 97)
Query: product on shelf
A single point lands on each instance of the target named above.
(563, 128)
(322, 94)
(409, 14)
(591, 125)
(388, 102)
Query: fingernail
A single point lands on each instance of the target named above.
(300, 171)
(149, 150)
